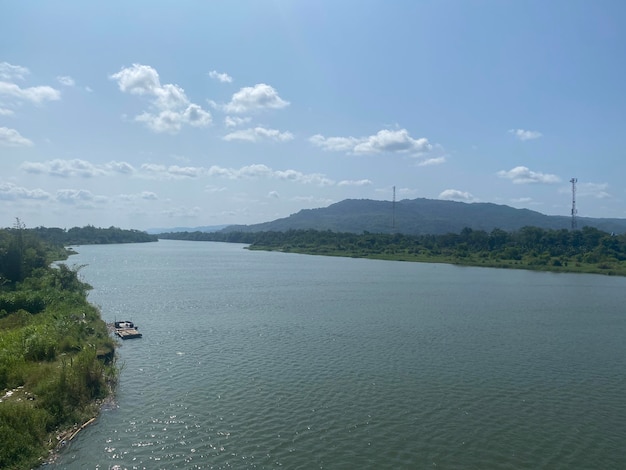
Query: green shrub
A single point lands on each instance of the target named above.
(22, 433)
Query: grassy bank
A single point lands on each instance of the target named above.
(57, 360)
(533, 263)
(588, 250)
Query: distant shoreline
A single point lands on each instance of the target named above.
(570, 266)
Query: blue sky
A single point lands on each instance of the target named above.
(162, 114)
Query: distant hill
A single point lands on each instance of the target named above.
(206, 228)
(422, 216)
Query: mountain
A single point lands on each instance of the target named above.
(422, 216)
(206, 228)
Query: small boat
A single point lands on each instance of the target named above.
(126, 330)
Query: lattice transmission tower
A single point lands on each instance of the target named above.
(574, 210)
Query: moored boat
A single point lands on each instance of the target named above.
(126, 330)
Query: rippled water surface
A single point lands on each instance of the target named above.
(265, 360)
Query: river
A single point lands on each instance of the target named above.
(260, 360)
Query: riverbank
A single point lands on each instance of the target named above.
(587, 250)
(57, 366)
(544, 264)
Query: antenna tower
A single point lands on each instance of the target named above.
(393, 206)
(574, 210)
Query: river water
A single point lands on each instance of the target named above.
(265, 360)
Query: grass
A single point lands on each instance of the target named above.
(56, 365)
(552, 264)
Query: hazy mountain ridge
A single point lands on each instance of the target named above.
(204, 228)
(422, 216)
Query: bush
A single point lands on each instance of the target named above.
(13, 301)
(22, 433)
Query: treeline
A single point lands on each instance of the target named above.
(588, 249)
(90, 235)
(56, 355)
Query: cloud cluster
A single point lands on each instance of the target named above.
(384, 141)
(170, 107)
(144, 195)
(77, 196)
(35, 94)
(523, 175)
(456, 195)
(253, 99)
(523, 134)
(249, 101)
(172, 171)
(364, 182)
(12, 72)
(220, 77)
(84, 169)
(11, 192)
(12, 95)
(12, 138)
(234, 121)
(263, 171)
(76, 168)
(259, 133)
(66, 80)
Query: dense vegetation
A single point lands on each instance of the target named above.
(90, 235)
(587, 250)
(56, 356)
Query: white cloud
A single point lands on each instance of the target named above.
(523, 175)
(11, 192)
(307, 178)
(137, 80)
(335, 144)
(172, 171)
(393, 141)
(354, 183)
(6, 112)
(66, 80)
(234, 121)
(273, 195)
(120, 167)
(145, 195)
(456, 195)
(258, 133)
(149, 195)
(432, 161)
(12, 72)
(170, 96)
(522, 134)
(221, 77)
(76, 167)
(171, 109)
(384, 141)
(263, 171)
(36, 94)
(78, 196)
(12, 138)
(196, 116)
(256, 98)
(173, 121)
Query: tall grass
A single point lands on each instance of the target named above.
(56, 360)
